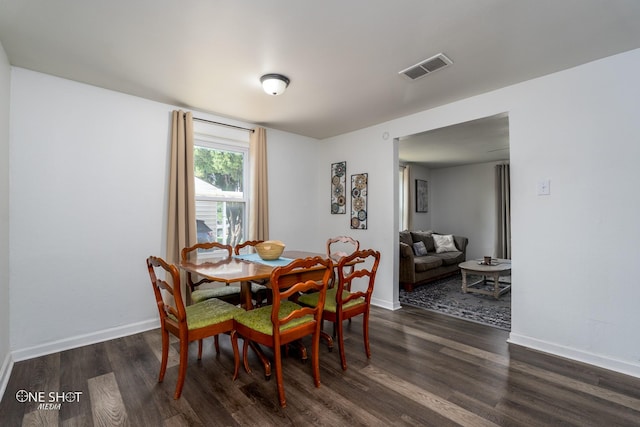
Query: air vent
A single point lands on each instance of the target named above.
(427, 66)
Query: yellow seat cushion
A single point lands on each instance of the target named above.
(311, 300)
(260, 318)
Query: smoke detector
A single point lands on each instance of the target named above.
(428, 66)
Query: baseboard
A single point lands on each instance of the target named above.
(578, 355)
(86, 339)
(385, 304)
(5, 373)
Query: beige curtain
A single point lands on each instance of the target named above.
(259, 193)
(181, 228)
(503, 197)
(406, 198)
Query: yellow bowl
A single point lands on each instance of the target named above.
(270, 249)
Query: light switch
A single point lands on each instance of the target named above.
(544, 187)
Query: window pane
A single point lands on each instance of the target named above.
(222, 169)
(234, 223)
(221, 222)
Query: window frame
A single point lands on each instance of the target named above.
(238, 143)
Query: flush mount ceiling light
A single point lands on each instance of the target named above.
(274, 84)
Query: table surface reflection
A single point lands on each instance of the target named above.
(231, 269)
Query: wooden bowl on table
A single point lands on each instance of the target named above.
(270, 249)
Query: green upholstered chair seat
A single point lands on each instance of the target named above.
(200, 295)
(256, 287)
(330, 303)
(209, 312)
(260, 318)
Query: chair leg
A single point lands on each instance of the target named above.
(199, 349)
(343, 358)
(215, 341)
(315, 358)
(302, 349)
(261, 297)
(277, 358)
(365, 333)
(325, 336)
(236, 355)
(165, 354)
(182, 370)
(245, 355)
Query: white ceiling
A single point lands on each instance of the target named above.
(343, 57)
(476, 141)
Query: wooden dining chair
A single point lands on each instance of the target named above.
(191, 323)
(340, 246)
(199, 293)
(259, 291)
(284, 321)
(343, 302)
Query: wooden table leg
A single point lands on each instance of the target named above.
(266, 364)
(325, 336)
(464, 280)
(245, 295)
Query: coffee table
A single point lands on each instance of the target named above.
(498, 267)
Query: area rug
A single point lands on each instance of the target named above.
(445, 296)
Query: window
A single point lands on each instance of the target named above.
(221, 177)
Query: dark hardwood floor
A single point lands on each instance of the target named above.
(426, 369)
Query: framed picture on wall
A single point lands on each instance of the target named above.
(422, 196)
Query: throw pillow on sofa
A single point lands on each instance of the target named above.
(426, 237)
(444, 243)
(419, 249)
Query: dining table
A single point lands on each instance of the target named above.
(246, 268)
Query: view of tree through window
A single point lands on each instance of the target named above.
(222, 169)
(220, 193)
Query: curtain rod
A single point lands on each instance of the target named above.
(222, 124)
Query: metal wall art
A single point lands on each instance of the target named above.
(359, 201)
(338, 188)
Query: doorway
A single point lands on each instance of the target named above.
(458, 164)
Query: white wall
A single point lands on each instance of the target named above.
(293, 203)
(367, 151)
(88, 202)
(5, 88)
(464, 203)
(575, 289)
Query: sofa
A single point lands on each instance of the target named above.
(426, 256)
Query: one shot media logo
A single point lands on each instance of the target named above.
(52, 400)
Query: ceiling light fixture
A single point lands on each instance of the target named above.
(274, 84)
